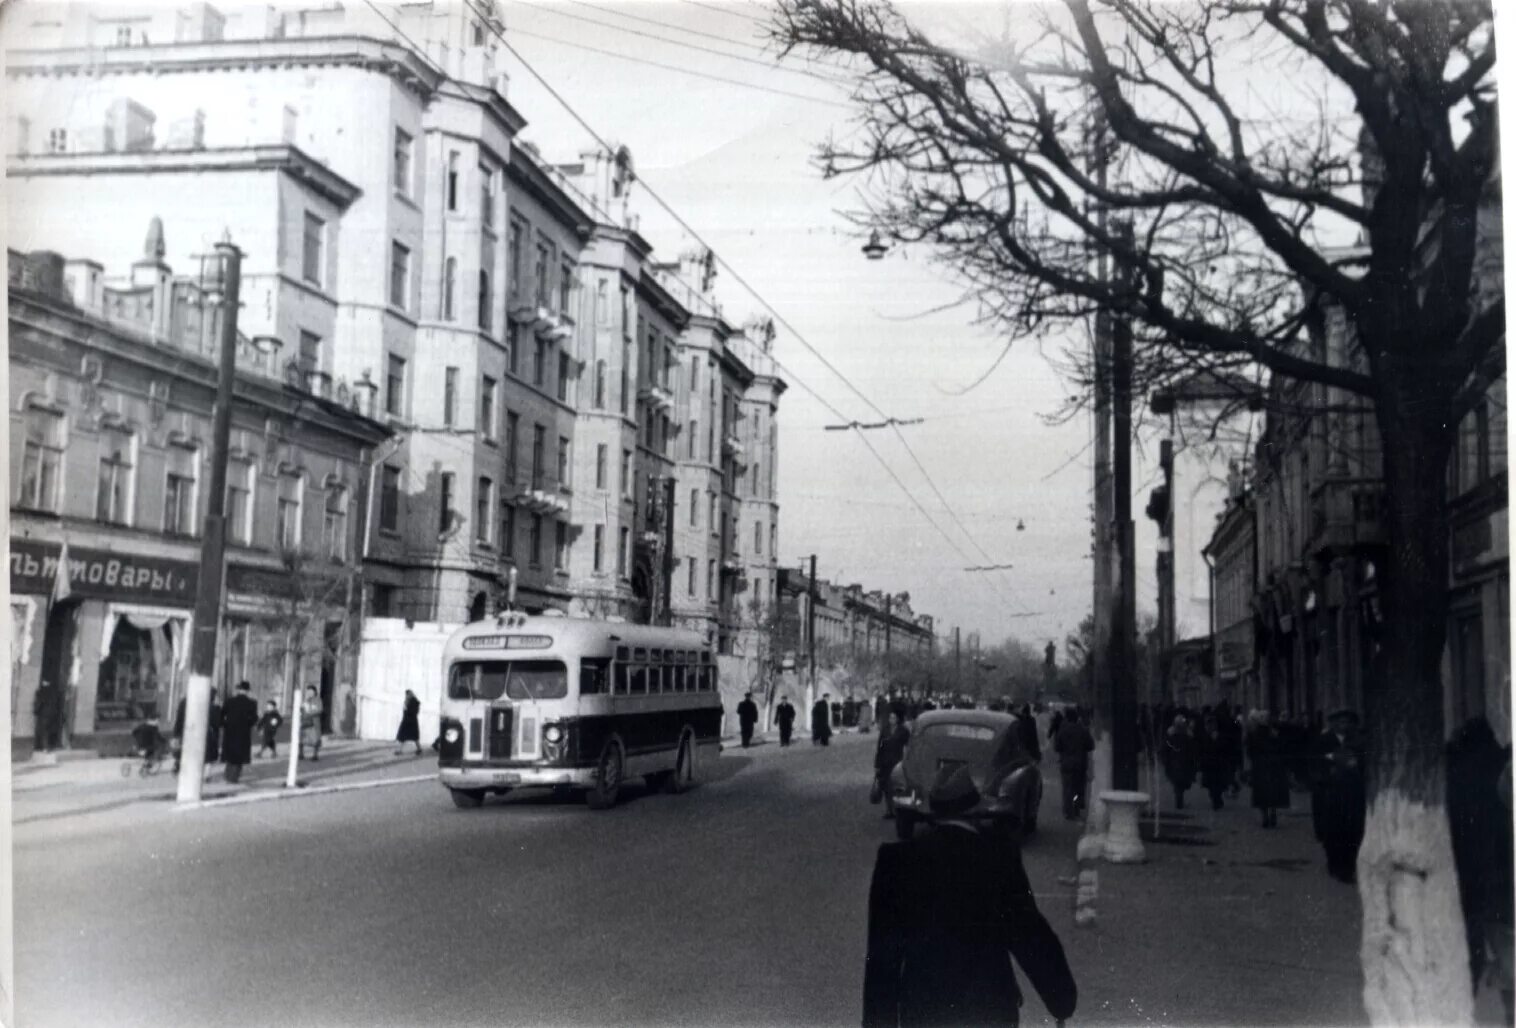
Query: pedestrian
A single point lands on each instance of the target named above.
(893, 737)
(1026, 733)
(47, 706)
(1179, 758)
(1055, 724)
(1215, 762)
(1073, 746)
(1479, 818)
(1338, 800)
(213, 733)
(410, 725)
(1268, 774)
(747, 718)
(311, 710)
(784, 716)
(821, 721)
(237, 723)
(849, 713)
(268, 729)
(947, 909)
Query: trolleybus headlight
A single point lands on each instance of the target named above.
(552, 733)
(452, 734)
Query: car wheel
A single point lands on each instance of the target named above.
(905, 825)
(467, 799)
(608, 774)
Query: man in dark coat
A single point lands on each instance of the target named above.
(237, 723)
(784, 717)
(893, 739)
(48, 709)
(1268, 774)
(1026, 733)
(1073, 746)
(946, 910)
(747, 717)
(821, 721)
(1338, 801)
(1479, 819)
(1179, 757)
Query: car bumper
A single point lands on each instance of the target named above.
(514, 777)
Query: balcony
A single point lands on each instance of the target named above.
(548, 324)
(1347, 514)
(537, 495)
(733, 564)
(656, 395)
(733, 446)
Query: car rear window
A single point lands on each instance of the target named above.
(955, 731)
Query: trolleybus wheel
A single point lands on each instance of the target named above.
(683, 775)
(467, 799)
(608, 773)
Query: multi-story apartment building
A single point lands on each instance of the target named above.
(405, 244)
(112, 391)
(1233, 554)
(850, 622)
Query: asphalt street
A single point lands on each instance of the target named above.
(743, 901)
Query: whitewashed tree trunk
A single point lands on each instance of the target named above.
(1415, 958)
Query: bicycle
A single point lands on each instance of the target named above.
(145, 766)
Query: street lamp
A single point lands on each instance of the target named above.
(875, 249)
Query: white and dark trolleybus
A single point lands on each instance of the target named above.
(574, 703)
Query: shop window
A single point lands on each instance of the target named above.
(139, 676)
(42, 461)
(113, 502)
(179, 499)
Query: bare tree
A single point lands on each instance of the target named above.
(1119, 157)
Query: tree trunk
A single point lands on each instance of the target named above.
(1414, 954)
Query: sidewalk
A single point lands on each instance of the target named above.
(46, 790)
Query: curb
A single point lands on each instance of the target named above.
(296, 793)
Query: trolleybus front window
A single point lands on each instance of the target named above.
(514, 679)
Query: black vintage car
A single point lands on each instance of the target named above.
(1008, 779)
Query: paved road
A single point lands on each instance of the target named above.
(741, 902)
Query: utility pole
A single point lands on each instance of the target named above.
(1104, 514)
(1161, 510)
(1123, 632)
(197, 703)
(810, 624)
(887, 618)
(957, 661)
(667, 571)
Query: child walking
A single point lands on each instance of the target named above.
(268, 726)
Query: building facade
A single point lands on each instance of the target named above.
(1233, 555)
(112, 389)
(854, 630)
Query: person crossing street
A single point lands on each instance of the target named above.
(747, 718)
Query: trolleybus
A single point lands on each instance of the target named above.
(574, 703)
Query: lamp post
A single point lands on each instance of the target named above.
(224, 278)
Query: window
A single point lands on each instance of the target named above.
(565, 288)
(484, 507)
(487, 409)
(560, 546)
(400, 275)
(291, 496)
(690, 575)
(563, 377)
(394, 391)
(512, 347)
(694, 431)
(694, 508)
(57, 140)
(42, 461)
(626, 313)
(452, 180)
(113, 502)
(710, 580)
(542, 273)
(450, 289)
(694, 374)
(450, 397)
(334, 525)
(600, 453)
(401, 167)
(539, 438)
(513, 244)
(486, 196)
(626, 363)
(486, 300)
(512, 428)
(600, 385)
(445, 504)
(563, 460)
(123, 35)
(622, 551)
(310, 352)
(626, 473)
(311, 252)
(389, 499)
(241, 480)
(599, 548)
(539, 363)
(715, 525)
(508, 530)
(773, 539)
(179, 490)
(757, 538)
(534, 540)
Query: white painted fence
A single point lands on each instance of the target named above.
(396, 656)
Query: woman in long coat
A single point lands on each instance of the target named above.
(1269, 774)
(821, 722)
(1179, 758)
(1215, 762)
(410, 725)
(310, 722)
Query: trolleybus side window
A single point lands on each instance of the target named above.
(638, 676)
(620, 670)
(594, 676)
(655, 671)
